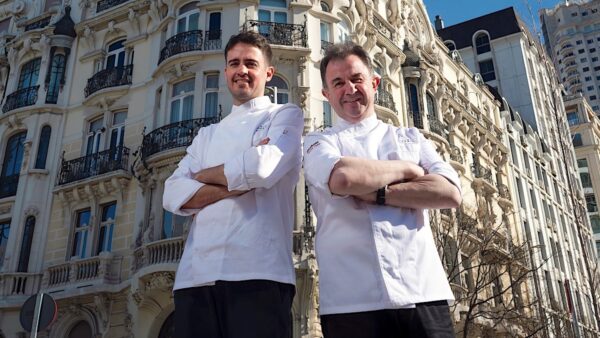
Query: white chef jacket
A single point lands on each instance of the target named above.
(373, 257)
(248, 236)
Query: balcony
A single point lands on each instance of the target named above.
(104, 269)
(93, 165)
(103, 5)
(19, 284)
(113, 77)
(483, 175)
(436, 126)
(384, 98)
(8, 185)
(166, 251)
(21, 98)
(174, 135)
(283, 34)
(189, 41)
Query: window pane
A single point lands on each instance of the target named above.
(211, 105)
(280, 17)
(324, 31)
(42, 154)
(175, 114)
(183, 87)
(26, 244)
(4, 233)
(116, 45)
(214, 22)
(278, 82)
(326, 114)
(282, 98)
(193, 20)
(167, 228)
(273, 3)
(264, 15)
(212, 81)
(13, 156)
(119, 118)
(181, 25)
(188, 106)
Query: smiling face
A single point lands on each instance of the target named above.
(247, 72)
(350, 88)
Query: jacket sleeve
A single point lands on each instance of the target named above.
(263, 166)
(431, 161)
(181, 186)
(320, 157)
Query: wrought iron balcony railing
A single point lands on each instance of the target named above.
(21, 98)
(38, 24)
(103, 5)
(8, 185)
(112, 77)
(212, 39)
(384, 98)
(284, 34)
(94, 164)
(174, 135)
(437, 126)
(183, 42)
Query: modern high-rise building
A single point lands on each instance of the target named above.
(550, 209)
(572, 38)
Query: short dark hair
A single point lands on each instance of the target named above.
(340, 51)
(254, 39)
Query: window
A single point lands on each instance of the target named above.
(116, 55)
(188, 19)
(213, 37)
(593, 97)
(172, 225)
(581, 51)
(486, 69)
(29, 74)
(272, 11)
(4, 233)
(549, 287)
(413, 106)
(117, 129)
(56, 77)
(482, 43)
(431, 110)
(211, 95)
(587, 79)
(182, 100)
(595, 220)
(42, 151)
(325, 35)
(583, 60)
(94, 138)
(343, 33)
(577, 140)
(542, 246)
(520, 191)
(11, 166)
(590, 201)
(325, 7)
(277, 90)
(80, 236)
(589, 88)
(592, 50)
(326, 114)
(26, 244)
(573, 118)
(107, 224)
(595, 59)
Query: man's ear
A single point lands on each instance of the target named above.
(376, 80)
(325, 93)
(270, 73)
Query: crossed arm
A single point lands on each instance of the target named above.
(408, 184)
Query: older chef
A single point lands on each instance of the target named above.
(236, 275)
(370, 184)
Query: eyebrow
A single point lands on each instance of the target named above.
(245, 60)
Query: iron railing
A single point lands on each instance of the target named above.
(212, 39)
(21, 98)
(43, 22)
(112, 77)
(174, 135)
(8, 185)
(106, 4)
(181, 43)
(94, 164)
(483, 173)
(437, 126)
(384, 98)
(284, 34)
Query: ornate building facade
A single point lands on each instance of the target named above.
(127, 84)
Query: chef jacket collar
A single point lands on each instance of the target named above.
(251, 106)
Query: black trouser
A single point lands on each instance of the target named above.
(426, 320)
(245, 309)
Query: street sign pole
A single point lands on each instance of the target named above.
(36, 314)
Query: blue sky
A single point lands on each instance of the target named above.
(455, 11)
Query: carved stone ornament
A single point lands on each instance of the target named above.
(162, 281)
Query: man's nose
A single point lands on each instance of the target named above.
(242, 69)
(349, 88)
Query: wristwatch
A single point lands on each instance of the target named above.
(380, 199)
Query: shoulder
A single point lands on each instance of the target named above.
(409, 134)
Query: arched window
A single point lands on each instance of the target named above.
(11, 166)
(29, 74)
(273, 11)
(26, 244)
(482, 43)
(413, 106)
(431, 109)
(42, 153)
(80, 330)
(325, 7)
(188, 19)
(116, 55)
(167, 330)
(277, 90)
(56, 79)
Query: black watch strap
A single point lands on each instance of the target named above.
(380, 199)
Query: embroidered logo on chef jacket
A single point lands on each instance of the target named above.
(312, 146)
